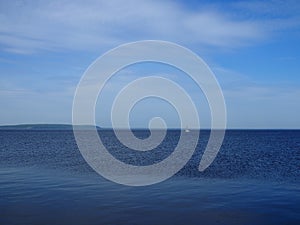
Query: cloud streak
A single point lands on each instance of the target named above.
(86, 25)
(65, 36)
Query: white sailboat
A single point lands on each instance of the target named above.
(186, 129)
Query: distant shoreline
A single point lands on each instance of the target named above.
(46, 127)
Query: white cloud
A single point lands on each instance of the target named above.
(80, 25)
(33, 26)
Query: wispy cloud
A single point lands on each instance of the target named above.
(85, 25)
(39, 87)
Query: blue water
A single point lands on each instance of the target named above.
(254, 180)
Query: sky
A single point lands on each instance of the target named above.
(252, 47)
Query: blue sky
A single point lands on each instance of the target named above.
(252, 47)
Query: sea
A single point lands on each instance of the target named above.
(255, 179)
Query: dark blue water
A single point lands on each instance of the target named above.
(254, 180)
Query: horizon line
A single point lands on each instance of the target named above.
(146, 128)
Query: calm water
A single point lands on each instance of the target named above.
(255, 179)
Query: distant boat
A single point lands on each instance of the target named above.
(186, 130)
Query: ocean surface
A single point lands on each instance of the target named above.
(255, 179)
